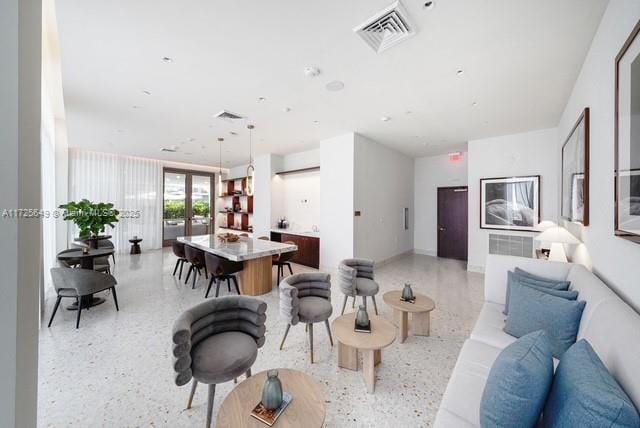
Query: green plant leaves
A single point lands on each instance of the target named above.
(91, 218)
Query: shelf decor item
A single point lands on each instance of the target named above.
(510, 203)
(407, 294)
(91, 218)
(627, 140)
(272, 391)
(250, 169)
(575, 172)
(362, 323)
(270, 417)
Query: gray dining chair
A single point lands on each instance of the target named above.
(178, 251)
(356, 278)
(195, 257)
(217, 341)
(221, 269)
(306, 298)
(77, 283)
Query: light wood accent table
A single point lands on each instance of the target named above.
(370, 345)
(255, 277)
(420, 312)
(307, 409)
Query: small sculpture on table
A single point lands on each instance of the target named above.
(362, 324)
(274, 401)
(407, 294)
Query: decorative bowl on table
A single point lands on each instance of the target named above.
(228, 237)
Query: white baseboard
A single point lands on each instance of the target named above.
(392, 258)
(473, 268)
(432, 253)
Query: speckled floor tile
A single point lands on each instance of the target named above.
(115, 371)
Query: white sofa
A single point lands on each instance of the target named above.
(611, 326)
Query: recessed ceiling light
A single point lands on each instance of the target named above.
(385, 118)
(119, 131)
(408, 112)
(286, 109)
(146, 92)
(429, 4)
(135, 107)
(459, 72)
(311, 71)
(473, 104)
(190, 140)
(167, 59)
(316, 121)
(260, 99)
(234, 133)
(335, 86)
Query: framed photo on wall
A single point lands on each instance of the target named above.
(627, 139)
(575, 172)
(510, 203)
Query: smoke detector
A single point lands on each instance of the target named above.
(228, 116)
(387, 28)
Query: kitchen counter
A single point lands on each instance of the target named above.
(307, 233)
(239, 251)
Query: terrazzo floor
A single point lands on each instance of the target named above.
(115, 371)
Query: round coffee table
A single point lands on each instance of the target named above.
(370, 345)
(420, 311)
(307, 408)
(135, 245)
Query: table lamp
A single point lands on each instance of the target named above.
(557, 236)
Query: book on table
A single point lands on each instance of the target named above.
(270, 417)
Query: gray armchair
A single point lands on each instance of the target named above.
(78, 283)
(356, 279)
(217, 341)
(306, 297)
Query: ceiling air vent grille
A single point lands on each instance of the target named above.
(386, 28)
(228, 116)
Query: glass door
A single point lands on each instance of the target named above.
(187, 204)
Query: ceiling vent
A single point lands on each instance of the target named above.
(387, 28)
(228, 116)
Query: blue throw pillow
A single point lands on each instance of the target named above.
(532, 310)
(514, 279)
(530, 279)
(584, 394)
(518, 383)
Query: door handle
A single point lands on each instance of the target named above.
(442, 229)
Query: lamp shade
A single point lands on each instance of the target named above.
(557, 234)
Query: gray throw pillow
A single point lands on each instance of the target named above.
(533, 310)
(531, 279)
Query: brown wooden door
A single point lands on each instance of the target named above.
(452, 222)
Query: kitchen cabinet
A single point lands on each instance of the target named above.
(308, 253)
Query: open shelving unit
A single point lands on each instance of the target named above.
(234, 207)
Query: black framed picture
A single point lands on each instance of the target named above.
(575, 172)
(627, 139)
(510, 203)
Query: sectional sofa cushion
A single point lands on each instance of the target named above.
(533, 310)
(558, 292)
(518, 383)
(584, 394)
(539, 282)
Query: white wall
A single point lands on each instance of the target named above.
(300, 199)
(528, 153)
(430, 173)
(383, 187)
(336, 200)
(300, 160)
(20, 240)
(614, 259)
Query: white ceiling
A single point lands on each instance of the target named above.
(520, 60)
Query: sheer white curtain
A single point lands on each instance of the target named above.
(48, 162)
(133, 185)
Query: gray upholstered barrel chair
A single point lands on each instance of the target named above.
(217, 341)
(306, 298)
(356, 279)
(79, 283)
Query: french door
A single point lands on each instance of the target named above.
(187, 204)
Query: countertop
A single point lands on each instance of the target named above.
(241, 250)
(307, 233)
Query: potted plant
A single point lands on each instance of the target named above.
(91, 218)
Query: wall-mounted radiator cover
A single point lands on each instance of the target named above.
(511, 245)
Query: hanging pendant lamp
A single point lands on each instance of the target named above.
(220, 140)
(250, 169)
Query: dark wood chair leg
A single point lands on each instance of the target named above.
(235, 282)
(195, 276)
(115, 297)
(79, 303)
(175, 269)
(113, 256)
(194, 385)
(209, 287)
(180, 274)
(290, 270)
(188, 274)
(278, 280)
(375, 306)
(228, 284)
(55, 309)
(286, 331)
(212, 393)
(326, 323)
(344, 304)
(249, 373)
(311, 341)
(218, 282)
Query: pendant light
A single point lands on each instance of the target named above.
(250, 168)
(220, 140)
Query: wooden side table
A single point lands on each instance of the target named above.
(135, 245)
(420, 312)
(307, 408)
(370, 345)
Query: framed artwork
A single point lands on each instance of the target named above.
(575, 172)
(510, 203)
(627, 139)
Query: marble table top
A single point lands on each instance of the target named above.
(241, 250)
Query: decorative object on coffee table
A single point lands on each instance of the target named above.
(407, 294)
(135, 245)
(362, 324)
(420, 310)
(350, 343)
(272, 391)
(307, 408)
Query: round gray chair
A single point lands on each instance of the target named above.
(78, 283)
(356, 279)
(217, 341)
(306, 298)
